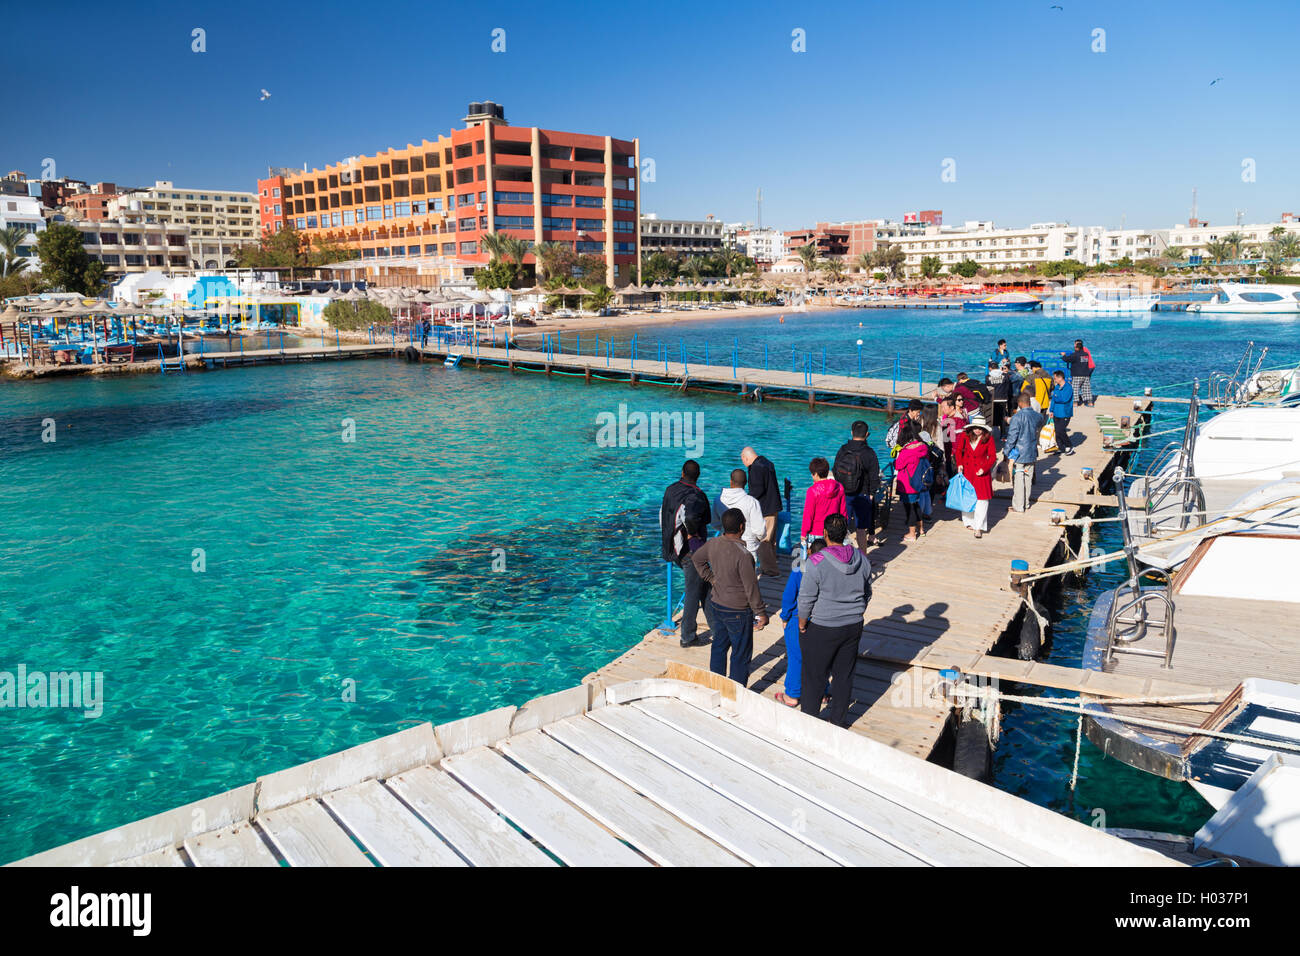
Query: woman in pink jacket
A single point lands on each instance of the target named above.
(909, 489)
(825, 497)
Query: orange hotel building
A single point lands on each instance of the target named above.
(436, 200)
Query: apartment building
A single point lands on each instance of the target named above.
(1194, 238)
(764, 246)
(1104, 246)
(125, 246)
(94, 202)
(273, 210)
(994, 248)
(219, 220)
(691, 237)
(434, 201)
(24, 212)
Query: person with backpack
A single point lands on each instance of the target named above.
(824, 497)
(857, 469)
(764, 488)
(1039, 385)
(915, 476)
(977, 456)
(684, 526)
(999, 383)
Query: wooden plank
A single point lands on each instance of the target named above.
(841, 840)
(167, 856)
(891, 820)
(392, 834)
(749, 837)
(466, 822)
(556, 825)
(651, 829)
(306, 835)
(240, 845)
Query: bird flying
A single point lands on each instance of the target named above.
(265, 95)
(1057, 6)
(1212, 82)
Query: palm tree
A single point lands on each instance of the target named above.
(694, 268)
(889, 257)
(1274, 261)
(491, 242)
(808, 255)
(515, 248)
(1234, 240)
(834, 268)
(548, 258)
(1175, 253)
(11, 238)
(1289, 245)
(1219, 250)
(864, 262)
(1277, 232)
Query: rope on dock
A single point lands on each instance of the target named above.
(1087, 709)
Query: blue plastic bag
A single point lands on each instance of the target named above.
(961, 494)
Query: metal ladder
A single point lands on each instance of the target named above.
(1158, 487)
(1131, 618)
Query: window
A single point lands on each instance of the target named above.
(589, 225)
(110, 260)
(431, 249)
(401, 209)
(624, 203)
(467, 225)
(373, 213)
(561, 224)
(134, 260)
(624, 225)
(589, 246)
(468, 248)
(596, 202)
(449, 248)
(548, 200)
(335, 220)
(520, 199)
(131, 239)
(625, 247)
(513, 222)
(347, 217)
(301, 223)
(388, 212)
(108, 238)
(435, 205)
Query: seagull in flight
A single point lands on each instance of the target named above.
(1057, 6)
(1212, 82)
(265, 95)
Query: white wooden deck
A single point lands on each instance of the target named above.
(653, 772)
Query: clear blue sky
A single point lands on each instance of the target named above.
(858, 126)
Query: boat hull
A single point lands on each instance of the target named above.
(1001, 306)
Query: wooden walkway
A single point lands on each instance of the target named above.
(650, 773)
(943, 601)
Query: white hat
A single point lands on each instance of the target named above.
(977, 421)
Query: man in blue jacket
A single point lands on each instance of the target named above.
(1022, 450)
(1062, 411)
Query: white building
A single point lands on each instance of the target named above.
(125, 246)
(24, 212)
(994, 248)
(1110, 245)
(688, 236)
(762, 245)
(219, 221)
(1194, 240)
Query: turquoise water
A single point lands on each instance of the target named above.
(372, 561)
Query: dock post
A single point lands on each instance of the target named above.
(812, 402)
(889, 407)
(587, 374)
(633, 361)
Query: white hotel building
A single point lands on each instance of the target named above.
(1193, 240)
(992, 248)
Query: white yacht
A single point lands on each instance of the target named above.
(1089, 299)
(1245, 298)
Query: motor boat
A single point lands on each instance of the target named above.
(1244, 298)
(1005, 302)
(1089, 299)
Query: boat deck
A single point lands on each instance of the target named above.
(658, 772)
(943, 601)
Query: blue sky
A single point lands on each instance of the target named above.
(1040, 127)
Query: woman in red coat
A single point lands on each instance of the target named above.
(977, 455)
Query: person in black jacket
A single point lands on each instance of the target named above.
(683, 525)
(858, 469)
(763, 487)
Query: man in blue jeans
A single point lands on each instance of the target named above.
(1062, 409)
(735, 606)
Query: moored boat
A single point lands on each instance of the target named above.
(1242, 298)
(1005, 302)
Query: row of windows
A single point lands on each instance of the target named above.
(513, 222)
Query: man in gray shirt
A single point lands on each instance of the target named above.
(734, 602)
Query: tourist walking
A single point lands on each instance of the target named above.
(1062, 409)
(1039, 383)
(764, 489)
(915, 478)
(1081, 368)
(1021, 446)
(857, 469)
(735, 605)
(977, 456)
(737, 497)
(833, 599)
(684, 527)
(790, 615)
(999, 384)
(824, 497)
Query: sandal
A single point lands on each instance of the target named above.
(789, 702)
(909, 537)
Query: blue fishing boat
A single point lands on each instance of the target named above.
(1005, 302)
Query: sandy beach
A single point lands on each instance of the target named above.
(628, 320)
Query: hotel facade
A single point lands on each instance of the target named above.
(425, 208)
(219, 220)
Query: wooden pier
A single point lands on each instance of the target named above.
(944, 601)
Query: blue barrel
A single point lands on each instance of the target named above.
(1019, 565)
(783, 532)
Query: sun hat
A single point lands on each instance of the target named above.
(977, 421)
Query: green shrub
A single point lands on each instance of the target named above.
(351, 316)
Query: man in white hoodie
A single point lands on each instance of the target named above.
(737, 497)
